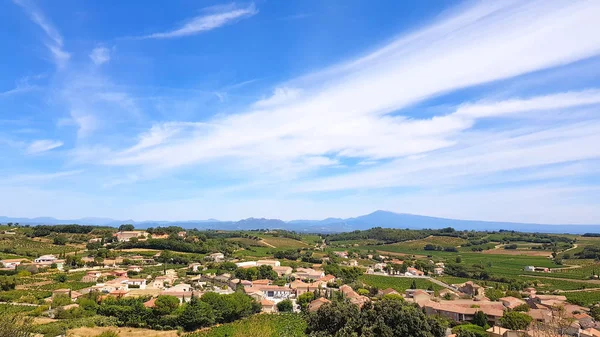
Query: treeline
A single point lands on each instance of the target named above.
(430, 246)
(387, 235)
(167, 314)
(512, 236)
(180, 245)
(45, 230)
(589, 252)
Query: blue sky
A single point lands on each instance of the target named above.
(309, 109)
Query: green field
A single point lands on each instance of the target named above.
(262, 325)
(284, 243)
(399, 284)
(584, 297)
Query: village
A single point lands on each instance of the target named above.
(124, 277)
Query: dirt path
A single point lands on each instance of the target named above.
(266, 243)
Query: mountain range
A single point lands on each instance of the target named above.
(376, 219)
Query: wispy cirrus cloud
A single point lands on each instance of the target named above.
(354, 110)
(214, 17)
(36, 178)
(43, 145)
(54, 39)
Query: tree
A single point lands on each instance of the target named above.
(480, 319)
(413, 284)
(61, 300)
(494, 294)
(59, 240)
(305, 299)
(458, 259)
(7, 283)
(391, 317)
(61, 278)
(285, 306)
(514, 320)
(196, 314)
(126, 228)
(165, 304)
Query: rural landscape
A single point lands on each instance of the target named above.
(332, 168)
(78, 280)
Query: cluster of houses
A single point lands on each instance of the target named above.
(125, 236)
(388, 268)
(44, 261)
(543, 309)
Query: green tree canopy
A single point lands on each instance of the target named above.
(515, 320)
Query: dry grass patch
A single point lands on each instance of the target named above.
(123, 332)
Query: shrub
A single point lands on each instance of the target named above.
(285, 306)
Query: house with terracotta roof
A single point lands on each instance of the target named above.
(151, 303)
(589, 332)
(472, 289)
(410, 271)
(134, 268)
(316, 304)
(390, 291)
(328, 278)
(511, 302)
(308, 274)
(262, 282)
(161, 281)
(353, 296)
(283, 270)
(463, 310)
(268, 306)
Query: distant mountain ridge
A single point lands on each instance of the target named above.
(376, 219)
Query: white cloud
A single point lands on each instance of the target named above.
(218, 17)
(36, 178)
(43, 145)
(345, 111)
(100, 55)
(55, 40)
(280, 96)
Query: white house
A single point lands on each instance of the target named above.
(11, 263)
(137, 283)
(217, 257)
(246, 264)
(195, 267)
(46, 259)
(529, 268)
